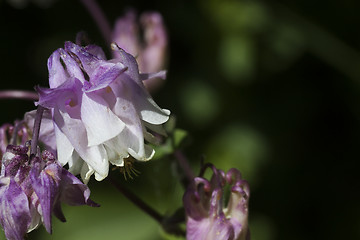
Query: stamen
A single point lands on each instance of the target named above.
(128, 170)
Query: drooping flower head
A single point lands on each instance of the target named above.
(32, 189)
(100, 108)
(207, 217)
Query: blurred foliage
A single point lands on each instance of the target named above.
(268, 87)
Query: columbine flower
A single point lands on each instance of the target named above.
(150, 52)
(101, 110)
(207, 219)
(32, 188)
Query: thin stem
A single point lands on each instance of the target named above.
(137, 201)
(36, 130)
(184, 164)
(19, 94)
(15, 132)
(99, 18)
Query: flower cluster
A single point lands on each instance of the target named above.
(97, 112)
(101, 111)
(207, 219)
(32, 188)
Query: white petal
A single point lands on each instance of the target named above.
(64, 147)
(132, 137)
(149, 111)
(100, 122)
(116, 153)
(86, 172)
(147, 154)
(75, 132)
(156, 128)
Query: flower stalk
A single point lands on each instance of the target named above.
(36, 131)
(19, 94)
(169, 224)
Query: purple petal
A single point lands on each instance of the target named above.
(15, 215)
(61, 67)
(57, 73)
(87, 60)
(212, 228)
(96, 51)
(130, 62)
(58, 211)
(103, 77)
(68, 92)
(46, 187)
(74, 192)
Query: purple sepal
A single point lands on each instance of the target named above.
(64, 94)
(14, 209)
(74, 192)
(106, 77)
(96, 51)
(46, 186)
(129, 61)
(62, 66)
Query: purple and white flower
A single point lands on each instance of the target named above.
(207, 218)
(32, 189)
(101, 111)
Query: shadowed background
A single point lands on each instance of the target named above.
(269, 87)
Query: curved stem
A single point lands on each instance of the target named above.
(137, 201)
(19, 94)
(15, 132)
(184, 164)
(36, 130)
(99, 17)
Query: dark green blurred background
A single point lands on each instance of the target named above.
(269, 87)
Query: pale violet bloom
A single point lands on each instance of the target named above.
(101, 111)
(207, 217)
(32, 189)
